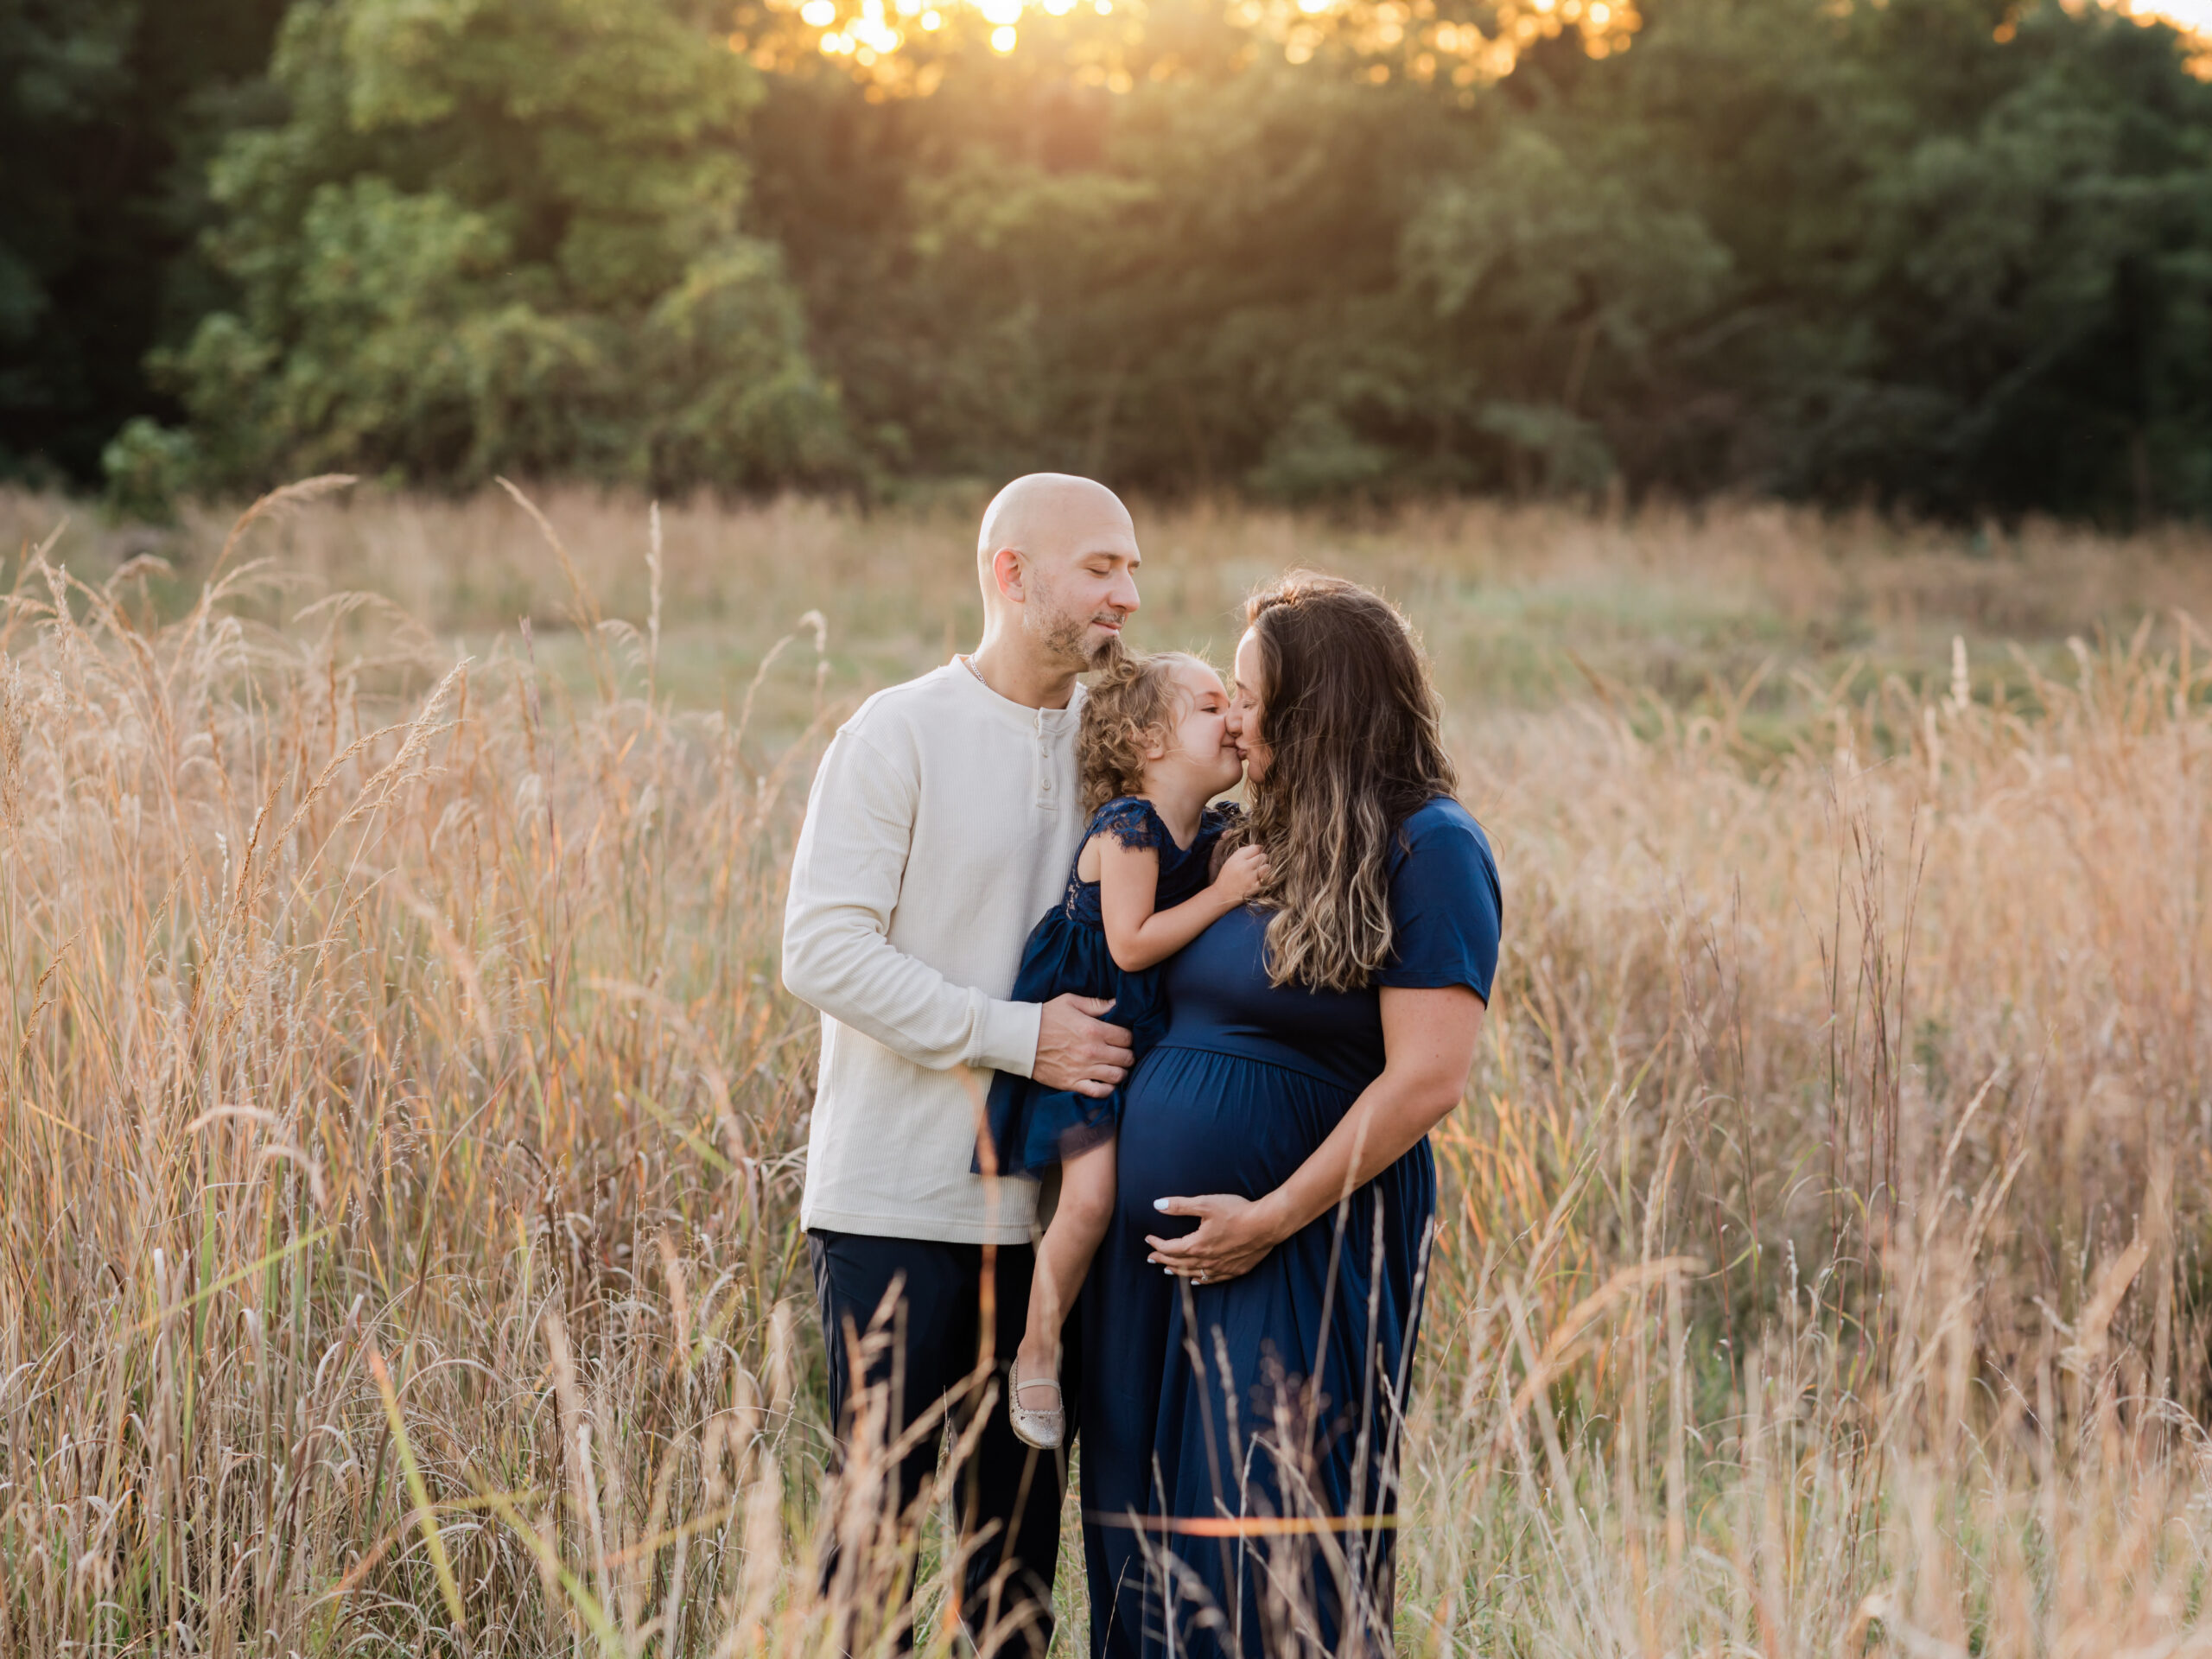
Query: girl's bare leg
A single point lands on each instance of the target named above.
(1063, 1258)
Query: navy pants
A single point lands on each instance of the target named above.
(1006, 1496)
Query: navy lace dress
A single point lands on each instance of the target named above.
(1032, 1128)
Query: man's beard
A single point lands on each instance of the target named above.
(1062, 633)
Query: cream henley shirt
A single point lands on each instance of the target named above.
(940, 827)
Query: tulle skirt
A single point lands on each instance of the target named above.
(1029, 1128)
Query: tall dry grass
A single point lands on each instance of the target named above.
(403, 1118)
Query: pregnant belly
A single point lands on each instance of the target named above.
(1196, 1121)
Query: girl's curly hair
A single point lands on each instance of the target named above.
(1131, 707)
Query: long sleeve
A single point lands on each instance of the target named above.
(846, 874)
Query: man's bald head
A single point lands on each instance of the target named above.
(1045, 515)
(1057, 559)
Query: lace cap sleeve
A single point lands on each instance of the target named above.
(1221, 817)
(1131, 822)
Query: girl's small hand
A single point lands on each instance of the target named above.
(1234, 1236)
(1243, 873)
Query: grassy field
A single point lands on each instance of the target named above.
(403, 1118)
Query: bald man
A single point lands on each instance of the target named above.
(941, 826)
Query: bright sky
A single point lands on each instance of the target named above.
(876, 33)
(2190, 14)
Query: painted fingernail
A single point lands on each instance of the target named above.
(1159, 1204)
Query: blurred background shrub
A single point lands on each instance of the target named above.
(1949, 256)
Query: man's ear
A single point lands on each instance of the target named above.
(1008, 569)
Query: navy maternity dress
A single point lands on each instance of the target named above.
(1213, 1414)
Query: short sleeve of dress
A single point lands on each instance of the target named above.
(1215, 821)
(1131, 823)
(1446, 910)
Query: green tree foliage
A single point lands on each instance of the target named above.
(1955, 255)
(108, 111)
(502, 235)
(1970, 271)
(1931, 252)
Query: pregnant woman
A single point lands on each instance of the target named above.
(1251, 1316)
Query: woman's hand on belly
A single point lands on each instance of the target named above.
(1234, 1236)
(1428, 1042)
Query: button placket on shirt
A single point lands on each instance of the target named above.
(1044, 764)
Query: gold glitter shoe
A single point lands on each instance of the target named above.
(1042, 1429)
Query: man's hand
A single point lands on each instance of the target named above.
(1079, 1052)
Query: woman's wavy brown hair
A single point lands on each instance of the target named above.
(1132, 705)
(1355, 731)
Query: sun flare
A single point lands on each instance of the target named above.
(898, 47)
(1419, 40)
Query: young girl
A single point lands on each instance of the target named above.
(1155, 749)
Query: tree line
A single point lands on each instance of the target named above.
(1951, 256)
